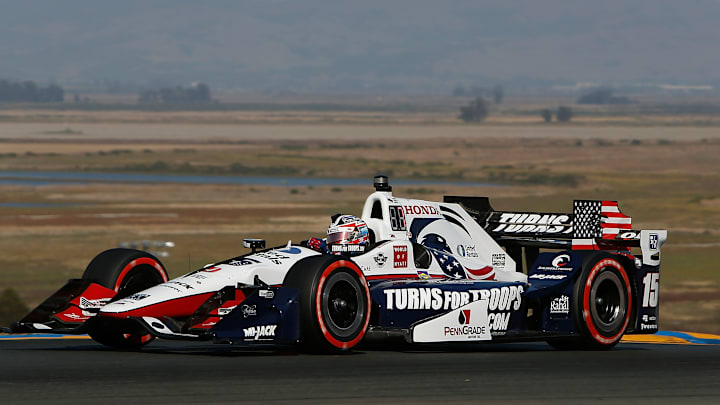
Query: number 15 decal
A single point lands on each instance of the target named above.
(652, 289)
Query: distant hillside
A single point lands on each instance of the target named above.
(329, 45)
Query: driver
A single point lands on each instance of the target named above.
(347, 234)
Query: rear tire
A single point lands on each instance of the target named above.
(126, 271)
(602, 306)
(334, 303)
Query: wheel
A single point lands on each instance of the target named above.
(602, 305)
(334, 303)
(126, 271)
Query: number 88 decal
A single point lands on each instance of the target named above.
(397, 218)
(651, 283)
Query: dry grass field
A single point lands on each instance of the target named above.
(665, 177)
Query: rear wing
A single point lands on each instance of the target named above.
(593, 225)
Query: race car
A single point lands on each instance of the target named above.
(428, 272)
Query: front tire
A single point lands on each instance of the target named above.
(334, 303)
(126, 271)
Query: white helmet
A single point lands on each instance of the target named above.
(347, 234)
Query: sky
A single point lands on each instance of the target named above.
(413, 46)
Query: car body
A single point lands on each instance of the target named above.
(451, 271)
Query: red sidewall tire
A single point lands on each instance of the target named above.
(316, 278)
(340, 264)
(126, 271)
(602, 273)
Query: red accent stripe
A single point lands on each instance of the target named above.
(486, 272)
(609, 203)
(207, 323)
(183, 306)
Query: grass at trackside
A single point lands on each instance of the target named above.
(673, 184)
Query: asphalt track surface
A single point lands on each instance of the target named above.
(81, 371)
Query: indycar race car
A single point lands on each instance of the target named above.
(451, 271)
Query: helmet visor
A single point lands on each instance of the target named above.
(340, 236)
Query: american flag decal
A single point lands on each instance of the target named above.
(586, 219)
(596, 220)
(612, 221)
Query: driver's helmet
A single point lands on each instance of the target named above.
(347, 234)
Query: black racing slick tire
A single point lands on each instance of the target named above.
(334, 303)
(126, 271)
(602, 306)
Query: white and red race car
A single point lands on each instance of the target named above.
(451, 271)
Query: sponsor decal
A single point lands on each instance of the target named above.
(560, 305)
(467, 251)
(653, 241)
(559, 263)
(380, 259)
(629, 235)
(337, 248)
(400, 256)
(261, 332)
(467, 323)
(248, 310)
(498, 260)
(75, 316)
(464, 330)
(181, 284)
(211, 269)
(93, 304)
(243, 262)
(533, 223)
(269, 294)
(648, 326)
(464, 317)
(273, 256)
(166, 285)
(137, 297)
(541, 276)
(649, 322)
(225, 311)
(504, 298)
(561, 260)
(423, 274)
(420, 210)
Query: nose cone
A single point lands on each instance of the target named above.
(162, 300)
